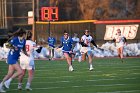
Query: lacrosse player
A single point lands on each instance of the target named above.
(120, 41)
(27, 62)
(67, 47)
(86, 39)
(16, 44)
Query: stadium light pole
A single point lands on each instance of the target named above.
(49, 25)
(34, 20)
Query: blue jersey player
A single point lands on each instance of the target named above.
(67, 47)
(51, 43)
(16, 44)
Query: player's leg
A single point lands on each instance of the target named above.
(69, 61)
(89, 53)
(73, 56)
(83, 53)
(52, 53)
(17, 73)
(31, 69)
(30, 78)
(119, 52)
(9, 74)
(79, 56)
(49, 53)
(18, 70)
(20, 79)
(74, 53)
(83, 56)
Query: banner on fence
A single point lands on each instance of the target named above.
(129, 31)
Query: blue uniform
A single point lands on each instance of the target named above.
(14, 54)
(66, 44)
(51, 41)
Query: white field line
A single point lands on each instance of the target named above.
(48, 88)
(45, 82)
(112, 79)
(77, 81)
(129, 91)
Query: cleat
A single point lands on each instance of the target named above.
(71, 68)
(28, 88)
(1, 89)
(49, 59)
(91, 68)
(19, 87)
(7, 84)
(122, 60)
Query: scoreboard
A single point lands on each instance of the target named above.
(49, 13)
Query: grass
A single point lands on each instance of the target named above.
(109, 76)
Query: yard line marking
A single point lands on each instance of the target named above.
(135, 73)
(121, 91)
(100, 79)
(76, 86)
(112, 85)
(76, 80)
(44, 82)
(53, 77)
(72, 87)
(110, 79)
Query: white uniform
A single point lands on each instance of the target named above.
(86, 40)
(25, 61)
(77, 45)
(119, 41)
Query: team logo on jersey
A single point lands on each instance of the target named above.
(128, 31)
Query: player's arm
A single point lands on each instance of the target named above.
(93, 42)
(24, 51)
(61, 45)
(114, 40)
(125, 40)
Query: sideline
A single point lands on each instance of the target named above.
(77, 59)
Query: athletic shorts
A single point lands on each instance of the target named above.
(86, 50)
(119, 45)
(68, 52)
(27, 63)
(11, 60)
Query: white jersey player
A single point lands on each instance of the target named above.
(86, 39)
(120, 41)
(27, 63)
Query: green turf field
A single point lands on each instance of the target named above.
(109, 76)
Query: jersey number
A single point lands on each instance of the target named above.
(27, 48)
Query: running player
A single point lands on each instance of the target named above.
(27, 62)
(86, 39)
(67, 47)
(16, 44)
(120, 41)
